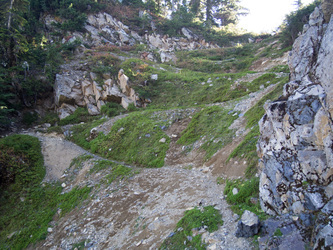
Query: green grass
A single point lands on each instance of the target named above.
(79, 115)
(208, 218)
(135, 139)
(240, 202)
(81, 132)
(26, 206)
(210, 125)
(30, 219)
(114, 171)
(21, 161)
(278, 232)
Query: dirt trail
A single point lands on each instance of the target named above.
(137, 214)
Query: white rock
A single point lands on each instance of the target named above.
(235, 191)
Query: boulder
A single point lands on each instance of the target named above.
(92, 109)
(248, 225)
(123, 82)
(65, 110)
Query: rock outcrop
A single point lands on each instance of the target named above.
(102, 28)
(296, 143)
(77, 88)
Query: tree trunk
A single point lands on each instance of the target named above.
(10, 14)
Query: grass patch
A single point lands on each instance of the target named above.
(278, 232)
(210, 125)
(21, 161)
(115, 171)
(247, 197)
(135, 139)
(247, 149)
(208, 218)
(81, 132)
(79, 115)
(26, 206)
(254, 114)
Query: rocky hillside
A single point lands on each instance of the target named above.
(151, 141)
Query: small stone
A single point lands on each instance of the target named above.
(154, 77)
(63, 185)
(138, 244)
(235, 191)
(50, 230)
(163, 140)
(174, 136)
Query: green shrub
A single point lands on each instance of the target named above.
(26, 206)
(208, 218)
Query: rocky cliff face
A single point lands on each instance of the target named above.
(296, 143)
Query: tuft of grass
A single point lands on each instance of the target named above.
(278, 232)
(210, 125)
(248, 191)
(208, 218)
